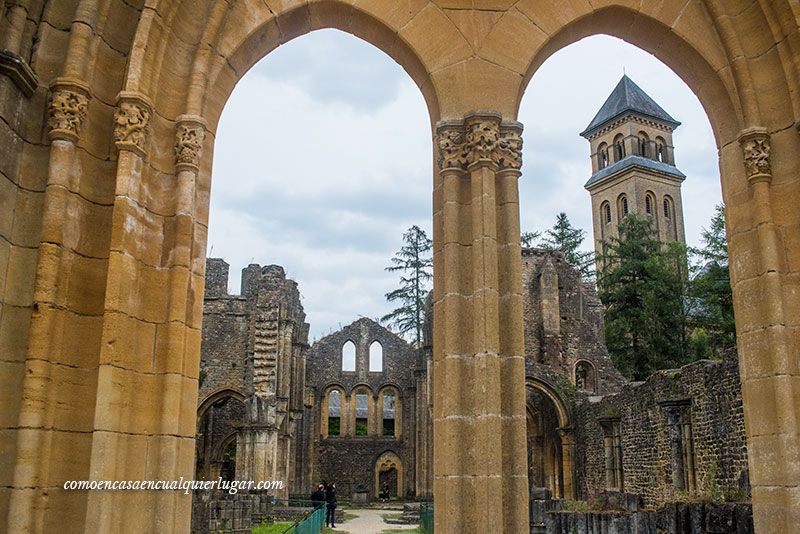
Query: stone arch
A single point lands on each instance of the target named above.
(216, 396)
(345, 354)
(375, 352)
(220, 457)
(387, 461)
(550, 442)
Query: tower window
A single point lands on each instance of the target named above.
(623, 205)
(605, 211)
(602, 156)
(619, 148)
(667, 209)
(661, 151)
(648, 206)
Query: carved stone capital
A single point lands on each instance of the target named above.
(756, 153)
(481, 139)
(132, 122)
(451, 141)
(190, 133)
(68, 104)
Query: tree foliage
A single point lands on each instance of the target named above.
(568, 239)
(414, 262)
(642, 285)
(710, 311)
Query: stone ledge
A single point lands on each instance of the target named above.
(19, 71)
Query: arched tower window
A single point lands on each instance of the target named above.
(605, 212)
(661, 150)
(334, 413)
(650, 203)
(619, 147)
(376, 357)
(602, 156)
(389, 409)
(349, 356)
(622, 206)
(644, 145)
(667, 207)
(669, 216)
(362, 412)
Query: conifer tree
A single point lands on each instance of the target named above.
(414, 262)
(711, 303)
(568, 239)
(642, 287)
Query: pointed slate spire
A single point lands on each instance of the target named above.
(628, 97)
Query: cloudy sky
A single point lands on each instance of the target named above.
(323, 159)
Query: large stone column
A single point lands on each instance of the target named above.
(480, 478)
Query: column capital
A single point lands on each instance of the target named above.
(481, 138)
(756, 153)
(68, 104)
(132, 122)
(190, 132)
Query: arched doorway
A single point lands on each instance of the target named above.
(217, 419)
(549, 441)
(389, 475)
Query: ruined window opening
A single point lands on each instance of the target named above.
(612, 445)
(585, 378)
(389, 406)
(362, 413)
(376, 357)
(349, 356)
(334, 413)
(681, 443)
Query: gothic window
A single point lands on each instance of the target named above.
(349, 356)
(334, 413)
(585, 378)
(602, 156)
(389, 413)
(681, 443)
(612, 445)
(362, 412)
(376, 357)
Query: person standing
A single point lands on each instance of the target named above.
(330, 500)
(319, 497)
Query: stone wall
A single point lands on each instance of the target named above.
(711, 393)
(348, 459)
(563, 323)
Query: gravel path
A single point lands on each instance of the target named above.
(369, 521)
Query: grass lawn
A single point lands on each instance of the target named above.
(272, 528)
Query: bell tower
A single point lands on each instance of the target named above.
(633, 164)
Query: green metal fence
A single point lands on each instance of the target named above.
(310, 524)
(426, 517)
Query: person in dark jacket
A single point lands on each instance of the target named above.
(330, 499)
(319, 497)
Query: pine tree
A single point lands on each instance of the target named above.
(413, 260)
(526, 239)
(711, 303)
(642, 287)
(568, 239)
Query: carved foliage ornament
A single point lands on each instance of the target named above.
(66, 112)
(481, 140)
(189, 138)
(132, 123)
(756, 152)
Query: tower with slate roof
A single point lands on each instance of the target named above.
(633, 164)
